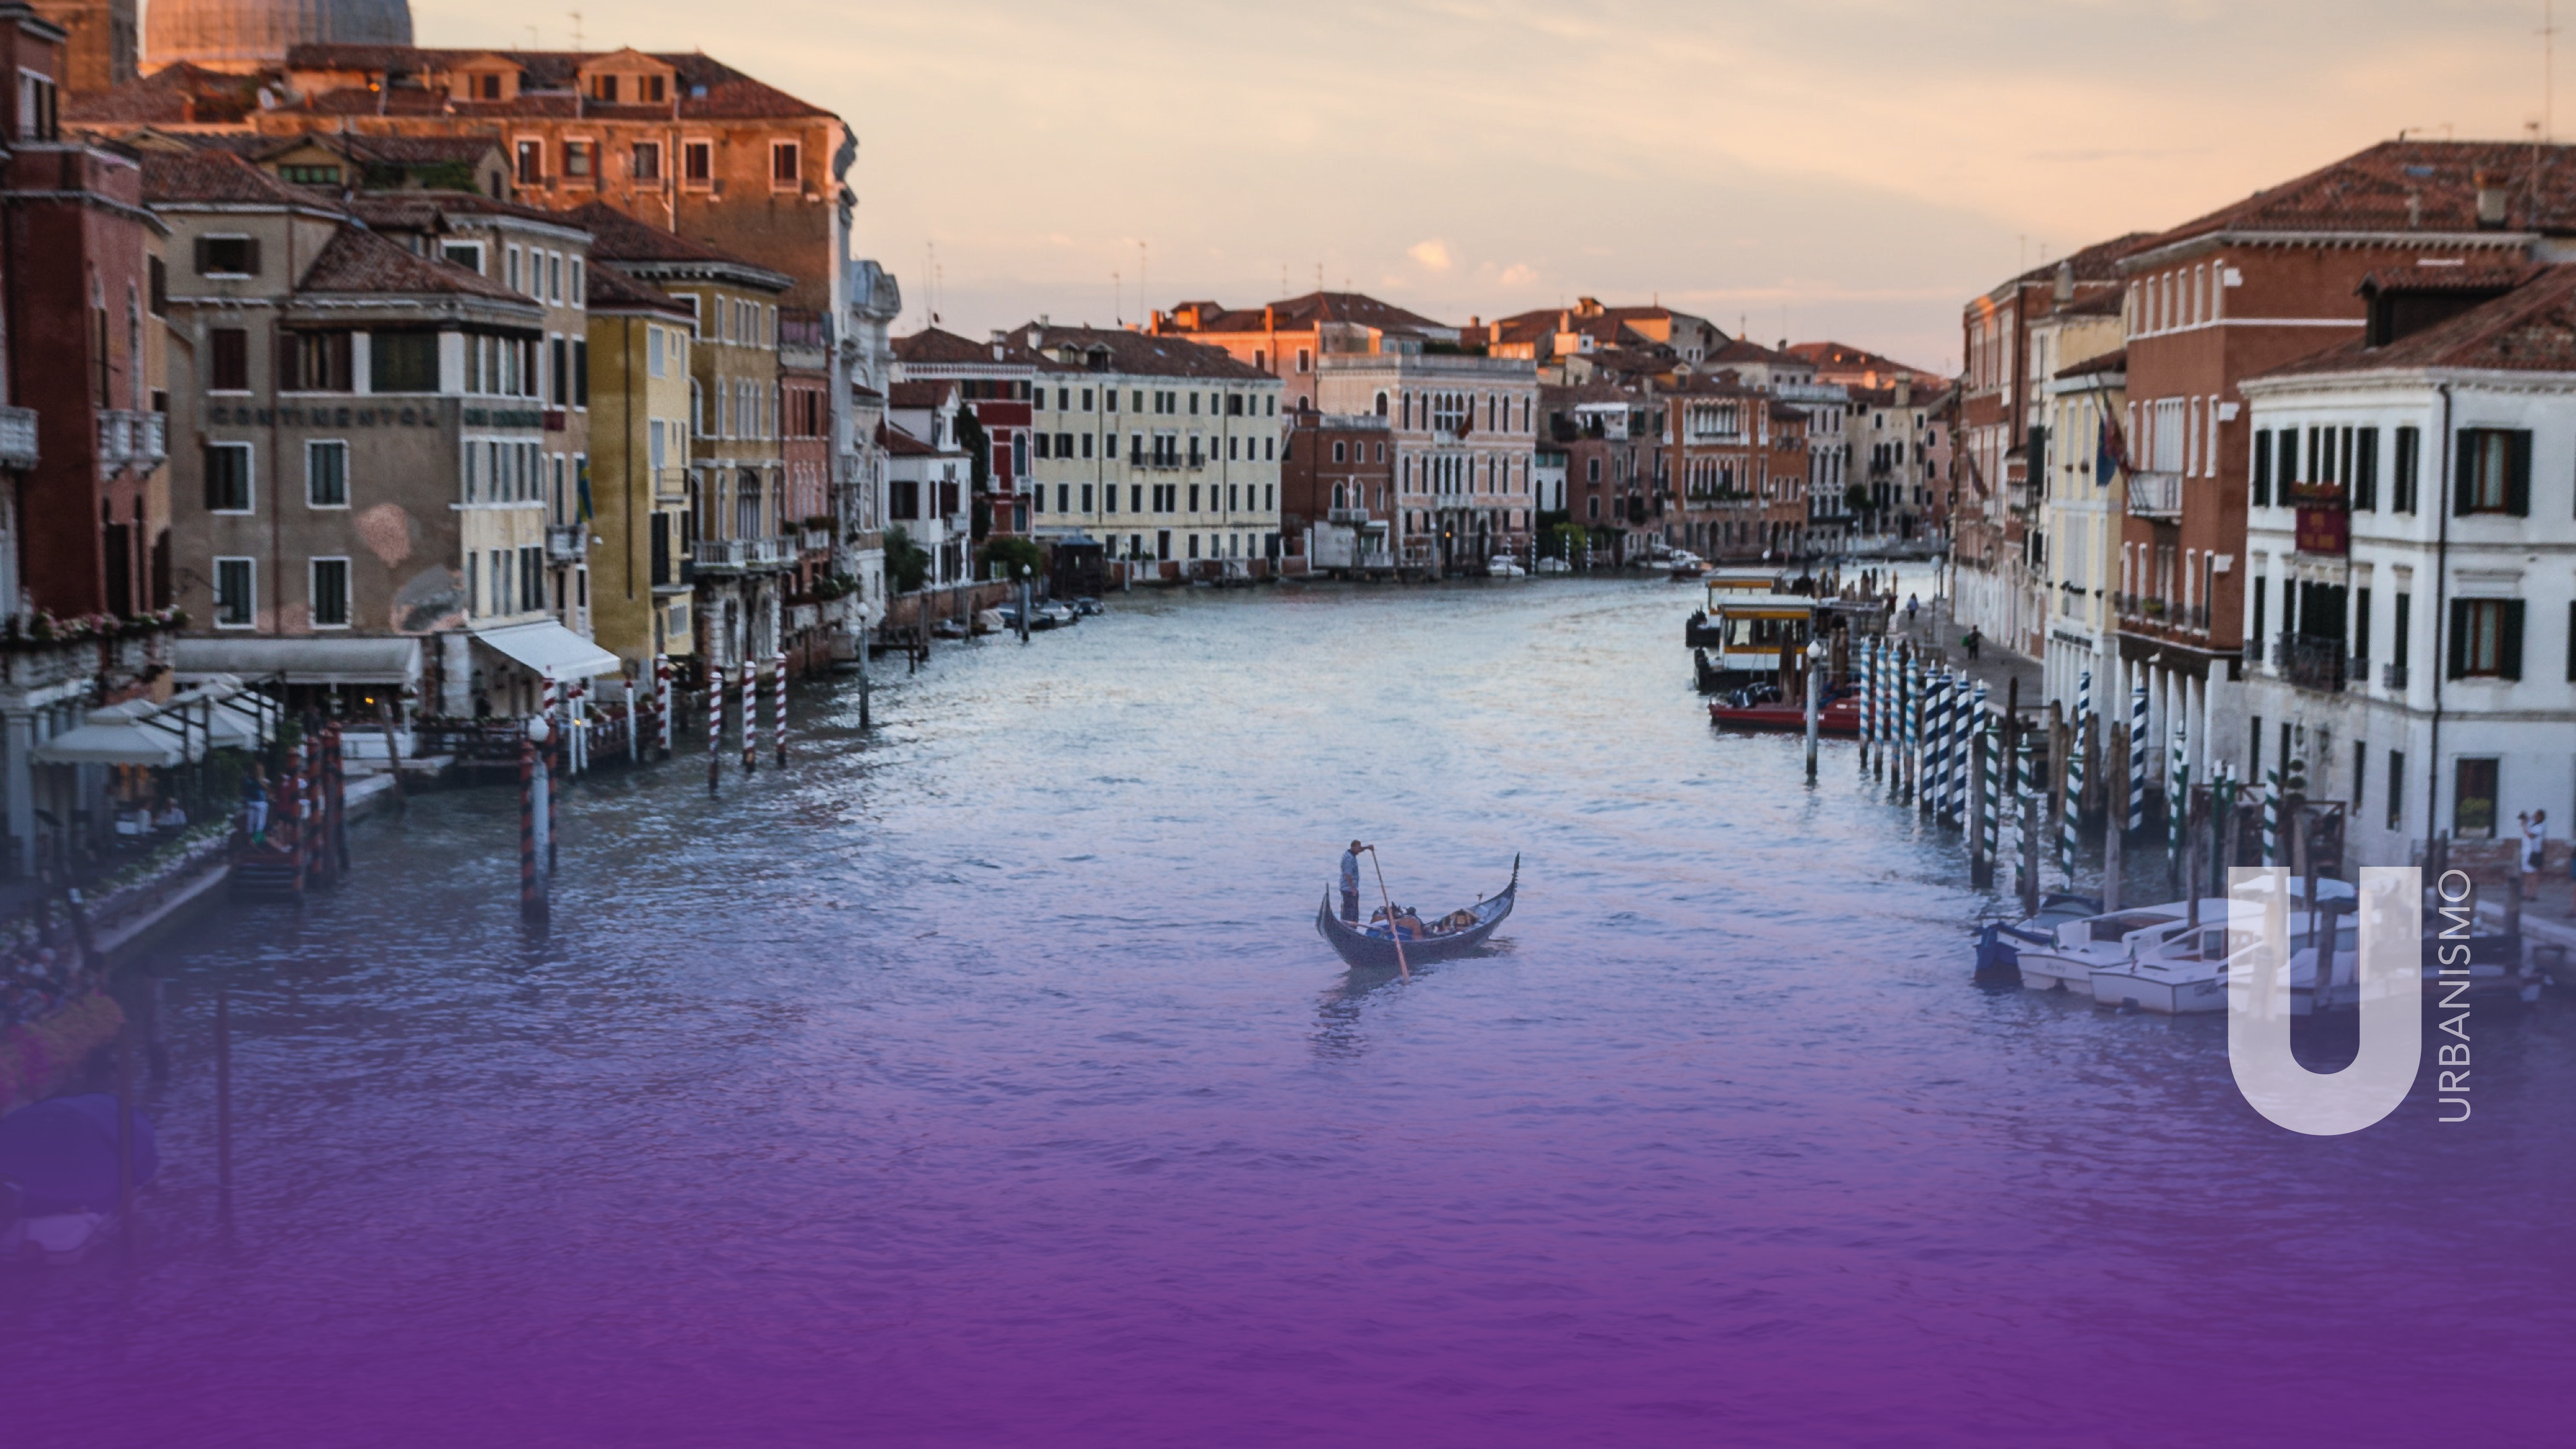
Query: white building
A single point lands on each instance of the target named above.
(2411, 556)
(1465, 429)
(1163, 448)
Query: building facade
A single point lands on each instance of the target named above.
(1336, 490)
(2410, 576)
(637, 510)
(1159, 446)
(367, 466)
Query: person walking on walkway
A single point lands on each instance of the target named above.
(1351, 882)
(2535, 849)
(1972, 641)
(1912, 603)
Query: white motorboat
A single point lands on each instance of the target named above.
(2180, 970)
(2079, 946)
(2173, 970)
(1554, 566)
(1503, 566)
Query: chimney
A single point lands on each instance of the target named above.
(1905, 392)
(2065, 291)
(2491, 197)
(2414, 211)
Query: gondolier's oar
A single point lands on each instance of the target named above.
(1394, 932)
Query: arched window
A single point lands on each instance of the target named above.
(1340, 495)
(1381, 404)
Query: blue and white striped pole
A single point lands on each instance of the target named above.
(1868, 703)
(1980, 720)
(1912, 715)
(2138, 745)
(2067, 837)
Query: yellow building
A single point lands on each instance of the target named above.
(637, 501)
(742, 530)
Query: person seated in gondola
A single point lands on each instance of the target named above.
(1457, 920)
(1408, 926)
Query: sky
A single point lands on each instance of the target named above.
(1852, 169)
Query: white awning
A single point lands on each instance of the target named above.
(394, 661)
(116, 735)
(550, 648)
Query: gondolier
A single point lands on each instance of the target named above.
(1351, 882)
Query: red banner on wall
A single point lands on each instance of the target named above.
(2324, 530)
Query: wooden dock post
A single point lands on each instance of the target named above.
(2112, 836)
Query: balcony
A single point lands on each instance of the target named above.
(772, 553)
(137, 440)
(17, 438)
(1346, 515)
(2392, 676)
(2312, 663)
(2155, 495)
(814, 540)
(565, 543)
(723, 555)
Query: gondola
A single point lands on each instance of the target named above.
(1368, 952)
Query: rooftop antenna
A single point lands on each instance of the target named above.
(1144, 308)
(532, 38)
(576, 28)
(1118, 291)
(2548, 70)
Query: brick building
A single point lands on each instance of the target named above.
(994, 383)
(1289, 339)
(1336, 490)
(1998, 586)
(85, 510)
(2246, 290)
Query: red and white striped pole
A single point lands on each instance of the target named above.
(715, 724)
(778, 707)
(750, 716)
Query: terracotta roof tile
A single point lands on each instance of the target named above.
(358, 260)
(611, 290)
(219, 178)
(2529, 329)
(1106, 349)
(2399, 186)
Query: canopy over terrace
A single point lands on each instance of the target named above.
(547, 648)
(121, 734)
(389, 662)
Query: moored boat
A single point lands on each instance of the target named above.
(1840, 715)
(1374, 948)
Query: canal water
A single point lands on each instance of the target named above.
(982, 1080)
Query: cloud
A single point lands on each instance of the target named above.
(1432, 254)
(1517, 275)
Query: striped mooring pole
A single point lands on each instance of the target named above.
(1989, 827)
(2272, 818)
(750, 717)
(715, 724)
(2067, 835)
(1873, 704)
(1911, 767)
(2139, 743)
(2178, 800)
(662, 701)
(778, 706)
(1936, 702)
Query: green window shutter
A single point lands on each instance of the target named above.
(2458, 653)
(2571, 642)
(2464, 473)
(2509, 656)
(2517, 478)
(2263, 468)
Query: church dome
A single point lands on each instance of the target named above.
(242, 35)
